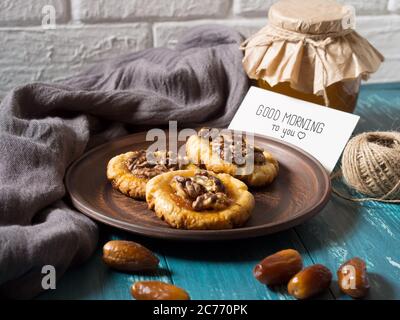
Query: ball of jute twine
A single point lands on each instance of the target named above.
(371, 166)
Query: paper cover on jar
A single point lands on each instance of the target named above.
(309, 44)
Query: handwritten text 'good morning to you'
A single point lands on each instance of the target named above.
(323, 132)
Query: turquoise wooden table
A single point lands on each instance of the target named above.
(224, 270)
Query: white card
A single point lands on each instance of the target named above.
(322, 132)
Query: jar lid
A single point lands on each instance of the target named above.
(308, 16)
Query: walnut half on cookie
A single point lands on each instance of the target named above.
(199, 199)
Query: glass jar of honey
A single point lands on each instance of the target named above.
(309, 50)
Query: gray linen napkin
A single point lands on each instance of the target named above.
(44, 127)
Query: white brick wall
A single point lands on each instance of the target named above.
(133, 10)
(29, 12)
(89, 31)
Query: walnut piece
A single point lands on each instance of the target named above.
(232, 147)
(161, 162)
(203, 190)
(211, 200)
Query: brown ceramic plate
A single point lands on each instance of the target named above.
(301, 190)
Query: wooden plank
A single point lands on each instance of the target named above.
(369, 230)
(95, 281)
(224, 270)
(379, 108)
(344, 230)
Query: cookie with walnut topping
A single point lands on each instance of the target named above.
(199, 199)
(129, 172)
(219, 151)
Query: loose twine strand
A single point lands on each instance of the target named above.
(371, 166)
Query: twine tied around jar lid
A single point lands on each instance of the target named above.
(279, 34)
(307, 45)
(371, 166)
